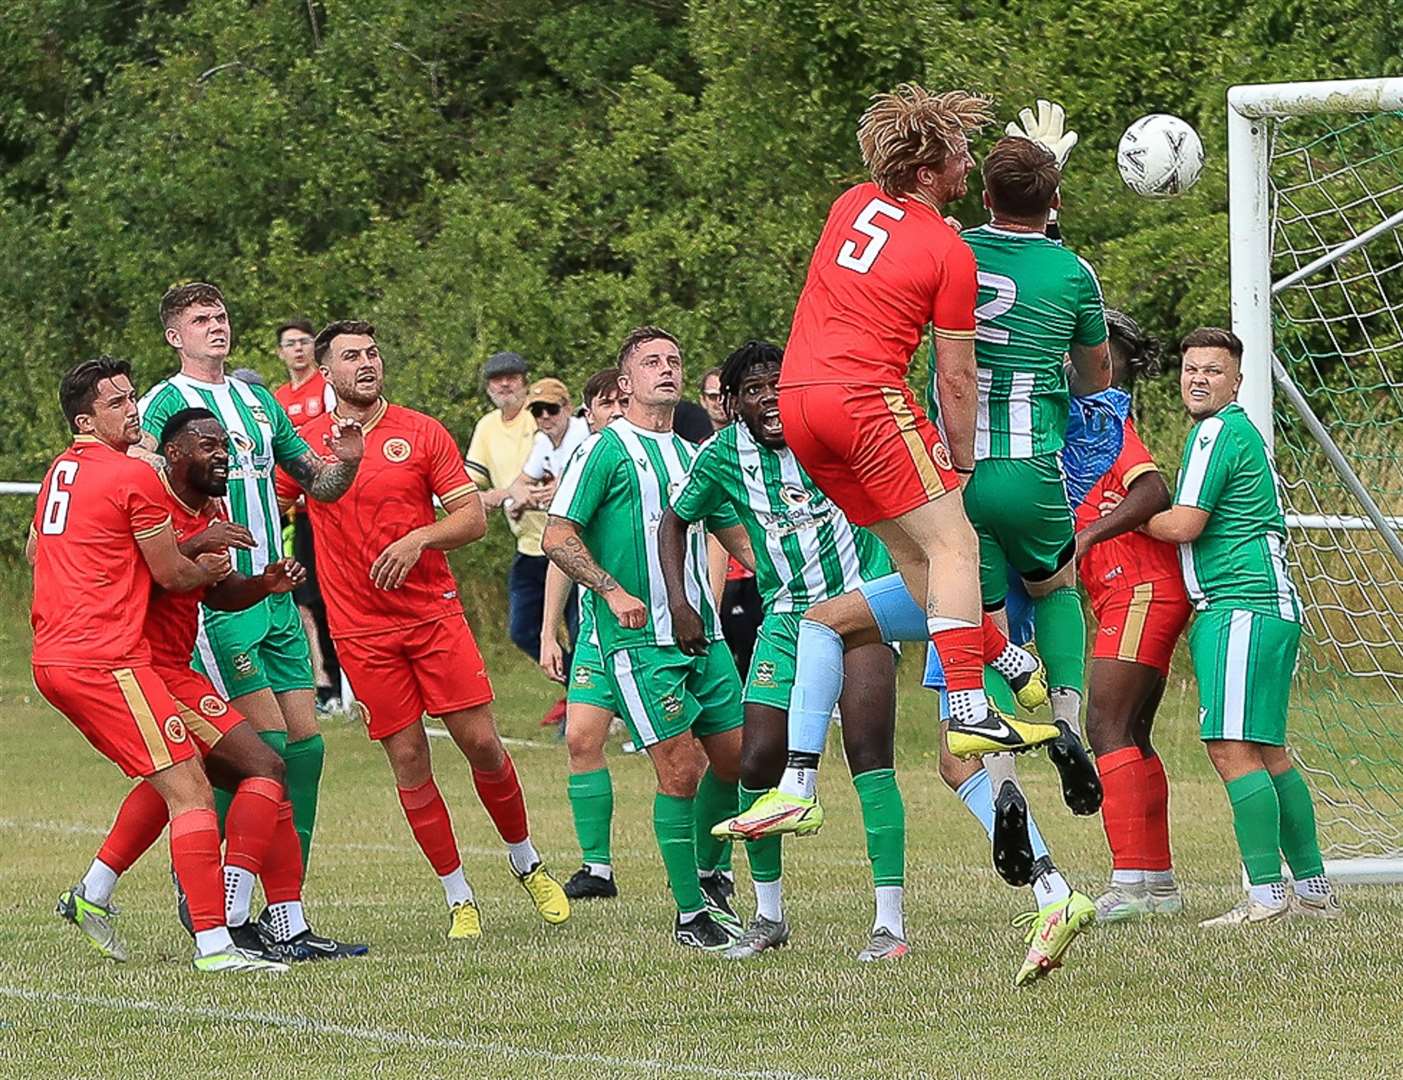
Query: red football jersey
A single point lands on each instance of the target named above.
(883, 269)
(91, 584)
(173, 619)
(1132, 558)
(308, 401)
(409, 458)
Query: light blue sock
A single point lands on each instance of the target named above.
(978, 796)
(818, 682)
(897, 615)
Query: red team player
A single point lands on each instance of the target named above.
(101, 535)
(887, 265)
(1137, 596)
(399, 629)
(261, 840)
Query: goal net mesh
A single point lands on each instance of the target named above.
(1339, 335)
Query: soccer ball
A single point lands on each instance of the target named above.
(1160, 156)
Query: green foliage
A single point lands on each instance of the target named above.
(543, 174)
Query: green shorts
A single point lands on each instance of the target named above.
(262, 647)
(772, 663)
(1243, 661)
(662, 692)
(1018, 507)
(589, 683)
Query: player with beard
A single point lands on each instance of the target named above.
(399, 628)
(261, 840)
(805, 551)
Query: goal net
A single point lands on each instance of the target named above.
(1328, 227)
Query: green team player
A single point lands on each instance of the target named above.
(589, 701)
(258, 658)
(603, 532)
(1231, 533)
(1038, 303)
(805, 552)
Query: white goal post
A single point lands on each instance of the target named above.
(1334, 232)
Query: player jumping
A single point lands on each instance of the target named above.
(603, 532)
(805, 551)
(392, 604)
(1231, 532)
(261, 841)
(101, 535)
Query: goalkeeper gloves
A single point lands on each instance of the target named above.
(1048, 129)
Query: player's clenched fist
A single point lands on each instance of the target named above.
(393, 565)
(629, 610)
(284, 575)
(215, 564)
(346, 440)
(221, 535)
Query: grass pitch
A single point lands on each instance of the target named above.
(609, 994)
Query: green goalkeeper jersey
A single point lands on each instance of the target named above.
(1036, 299)
(805, 549)
(260, 436)
(616, 490)
(1238, 561)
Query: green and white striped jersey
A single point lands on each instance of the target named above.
(1036, 299)
(1238, 561)
(805, 549)
(616, 490)
(260, 436)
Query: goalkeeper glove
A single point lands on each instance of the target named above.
(1048, 129)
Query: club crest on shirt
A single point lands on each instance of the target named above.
(942, 456)
(314, 407)
(793, 495)
(672, 705)
(396, 450)
(243, 663)
(583, 679)
(213, 706)
(175, 729)
(242, 443)
(256, 411)
(765, 673)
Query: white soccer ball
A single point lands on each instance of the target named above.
(1160, 156)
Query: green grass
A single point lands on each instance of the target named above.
(608, 994)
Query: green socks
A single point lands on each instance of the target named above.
(222, 799)
(592, 806)
(715, 801)
(764, 855)
(884, 819)
(1059, 628)
(1298, 839)
(303, 760)
(673, 825)
(997, 690)
(1256, 817)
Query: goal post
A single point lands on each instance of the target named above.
(1315, 200)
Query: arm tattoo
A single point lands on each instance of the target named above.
(322, 481)
(574, 558)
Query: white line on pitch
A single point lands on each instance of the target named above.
(389, 1036)
(530, 744)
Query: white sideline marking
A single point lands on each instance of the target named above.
(389, 1036)
(531, 744)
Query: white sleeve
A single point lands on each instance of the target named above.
(537, 462)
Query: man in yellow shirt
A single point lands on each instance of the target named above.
(499, 448)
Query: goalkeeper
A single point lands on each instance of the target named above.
(1038, 303)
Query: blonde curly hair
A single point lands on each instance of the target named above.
(911, 127)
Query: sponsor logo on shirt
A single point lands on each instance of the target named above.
(295, 409)
(175, 730)
(211, 705)
(396, 450)
(313, 407)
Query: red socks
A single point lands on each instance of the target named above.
(195, 855)
(500, 793)
(1135, 809)
(282, 865)
(961, 651)
(253, 816)
(995, 641)
(140, 819)
(431, 825)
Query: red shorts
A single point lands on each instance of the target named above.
(208, 717)
(871, 449)
(128, 714)
(400, 675)
(1141, 624)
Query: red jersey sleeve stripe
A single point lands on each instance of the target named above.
(154, 530)
(459, 492)
(1136, 471)
(959, 335)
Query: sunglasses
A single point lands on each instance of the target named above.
(543, 408)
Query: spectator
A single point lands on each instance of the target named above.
(558, 432)
(711, 399)
(304, 397)
(500, 445)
